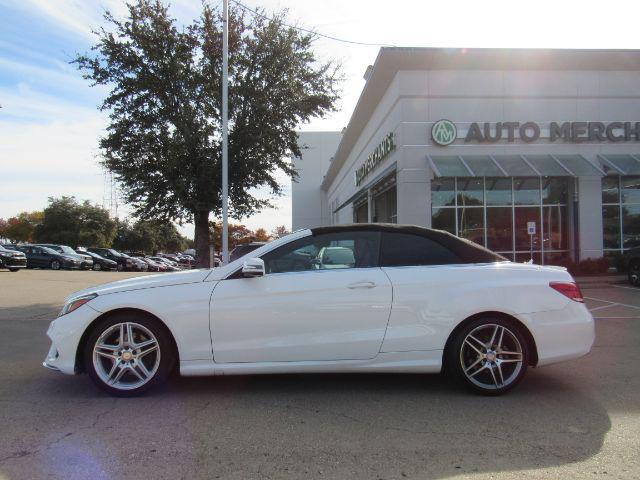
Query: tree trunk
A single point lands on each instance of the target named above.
(202, 239)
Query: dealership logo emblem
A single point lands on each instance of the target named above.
(444, 132)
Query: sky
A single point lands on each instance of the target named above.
(50, 125)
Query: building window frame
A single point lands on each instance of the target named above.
(619, 205)
(539, 250)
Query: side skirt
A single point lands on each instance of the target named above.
(401, 362)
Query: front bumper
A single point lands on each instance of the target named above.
(65, 333)
(13, 262)
(71, 264)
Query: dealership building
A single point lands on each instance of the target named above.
(518, 150)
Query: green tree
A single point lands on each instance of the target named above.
(164, 138)
(23, 227)
(67, 222)
(149, 236)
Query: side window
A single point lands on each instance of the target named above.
(404, 249)
(325, 252)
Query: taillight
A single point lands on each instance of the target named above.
(568, 289)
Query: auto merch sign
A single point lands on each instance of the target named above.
(382, 151)
(445, 132)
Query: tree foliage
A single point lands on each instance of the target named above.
(65, 221)
(22, 228)
(164, 137)
(149, 236)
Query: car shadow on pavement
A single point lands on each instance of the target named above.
(378, 425)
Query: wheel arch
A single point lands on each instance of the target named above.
(79, 364)
(531, 343)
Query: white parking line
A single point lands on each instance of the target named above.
(627, 288)
(611, 304)
(603, 306)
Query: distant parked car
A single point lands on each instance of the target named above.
(136, 265)
(154, 266)
(86, 262)
(242, 250)
(632, 261)
(111, 254)
(171, 266)
(44, 257)
(100, 263)
(12, 259)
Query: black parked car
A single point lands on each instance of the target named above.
(43, 257)
(110, 254)
(86, 262)
(100, 263)
(632, 261)
(12, 259)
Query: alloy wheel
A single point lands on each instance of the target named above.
(126, 356)
(634, 273)
(491, 356)
(55, 265)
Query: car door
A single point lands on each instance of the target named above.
(300, 311)
(427, 280)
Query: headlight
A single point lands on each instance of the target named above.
(76, 303)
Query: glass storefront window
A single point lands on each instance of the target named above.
(555, 191)
(524, 215)
(630, 190)
(470, 191)
(611, 226)
(554, 221)
(621, 214)
(526, 191)
(361, 213)
(610, 192)
(499, 229)
(631, 226)
(443, 192)
(385, 207)
(444, 219)
(471, 224)
(498, 191)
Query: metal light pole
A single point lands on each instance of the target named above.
(225, 133)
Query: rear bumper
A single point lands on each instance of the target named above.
(562, 334)
(13, 263)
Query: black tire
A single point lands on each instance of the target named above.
(485, 377)
(14, 269)
(167, 354)
(634, 273)
(97, 267)
(55, 265)
(120, 268)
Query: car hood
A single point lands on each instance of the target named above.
(147, 281)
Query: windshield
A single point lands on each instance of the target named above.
(67, 249)
(50, 251)
(114, 253)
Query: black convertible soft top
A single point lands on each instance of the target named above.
(467, 251)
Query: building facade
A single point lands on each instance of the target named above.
(528, 152)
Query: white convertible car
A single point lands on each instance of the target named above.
(354, 298)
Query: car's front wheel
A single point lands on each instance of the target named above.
(55, 265)
(489, 355)
(127, 354)
(97, 267)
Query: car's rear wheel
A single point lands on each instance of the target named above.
(120, 267)
(55, 265)
(634, 273)
(97, 267)
(489, 355)
(14, 269)
(127, 354)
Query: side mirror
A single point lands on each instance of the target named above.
(253, 267)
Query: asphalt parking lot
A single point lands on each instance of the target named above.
(579, 419)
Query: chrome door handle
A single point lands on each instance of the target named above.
(361, 285)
